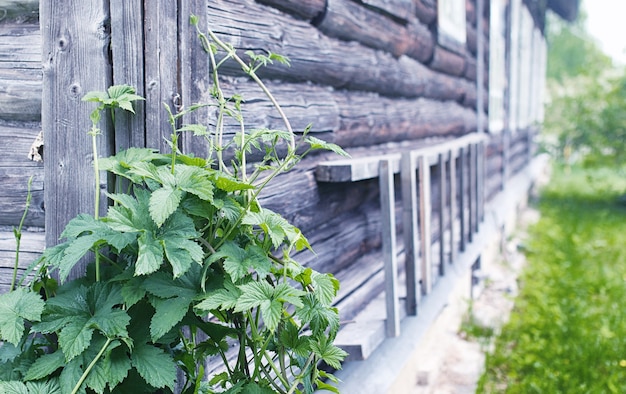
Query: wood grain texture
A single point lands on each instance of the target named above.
(20, 71)
(426, 11)
(128, 69)
(350, 21)
(303, 9)
(161, 63)
(31, 247)
(448, 62)
(400, 9)
(75, 51)
(323, 60)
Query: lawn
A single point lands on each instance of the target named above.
(567, 332)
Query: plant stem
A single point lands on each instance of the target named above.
(296, 381)
(18, 233)
(250, 71)
(91, 365)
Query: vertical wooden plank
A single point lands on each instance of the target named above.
(75, 47)
(161, 69)
(480, 183)
(462, 199)
(128, 64)
(442, 212)
(195, 78)
(408, 177)
(472, 192)
(388, 223)
(453, 205)
(425, 224)
(506, 149)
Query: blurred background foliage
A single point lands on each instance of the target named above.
(585, 117)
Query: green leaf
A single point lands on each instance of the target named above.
(116, 365)
(316, 143)
(95, 96)
(285, 293)
(13, 387)
(325, 287)
(331, 354)
(225, 298)
(195, 180)
(169, 312)
(318, 316)
(16, 307)
(49, 386)
(197, 129)
(123, 162)
(230, 184)
(275, 226)
(150, 255)
(163, 203)
(71, 375)
(45, 365)
(253, 295)
(75, 338)
(154, 365)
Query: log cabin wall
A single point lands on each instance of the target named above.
(20, 124)
(371, 76)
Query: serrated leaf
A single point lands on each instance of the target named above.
(253, 295)
(195, 180)
(163, 202)
(123, 162)
(13, 387)
(71, 375)
(16, 307)
(316, 143)
(325, 287)
(132, 291)
(150, 255)
(45, 365)
(275, 226)
(225, 298)
(154, 365)
(318, 316)
(95, 96)
(49, 386)
(116, 365)
(74, 251)
(331, 354)
(285, 293)
(230, 184)
(168, 313)
(75, 338)
(197, 129)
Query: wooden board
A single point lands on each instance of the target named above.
(20, 71)
(69, 179)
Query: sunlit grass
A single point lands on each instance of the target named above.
(567, 333)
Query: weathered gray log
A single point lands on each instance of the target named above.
(322, 60)
(369, 120)
(304, 9)
(349, 21)
(71, 46)
(19, 10)
(470, 67)
(20, 72)
(399, 9)
(422, 42)
(447, 62)
(425, 10)
(15, 170)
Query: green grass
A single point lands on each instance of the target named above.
(567, 332)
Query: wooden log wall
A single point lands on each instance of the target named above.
(20, 124)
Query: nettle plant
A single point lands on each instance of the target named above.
(185, 267)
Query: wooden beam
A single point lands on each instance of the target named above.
(425, 224)
(410, 231)
(462, 198)
(388, 226)
(442, 159)
(75, 51)
(453, 204)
